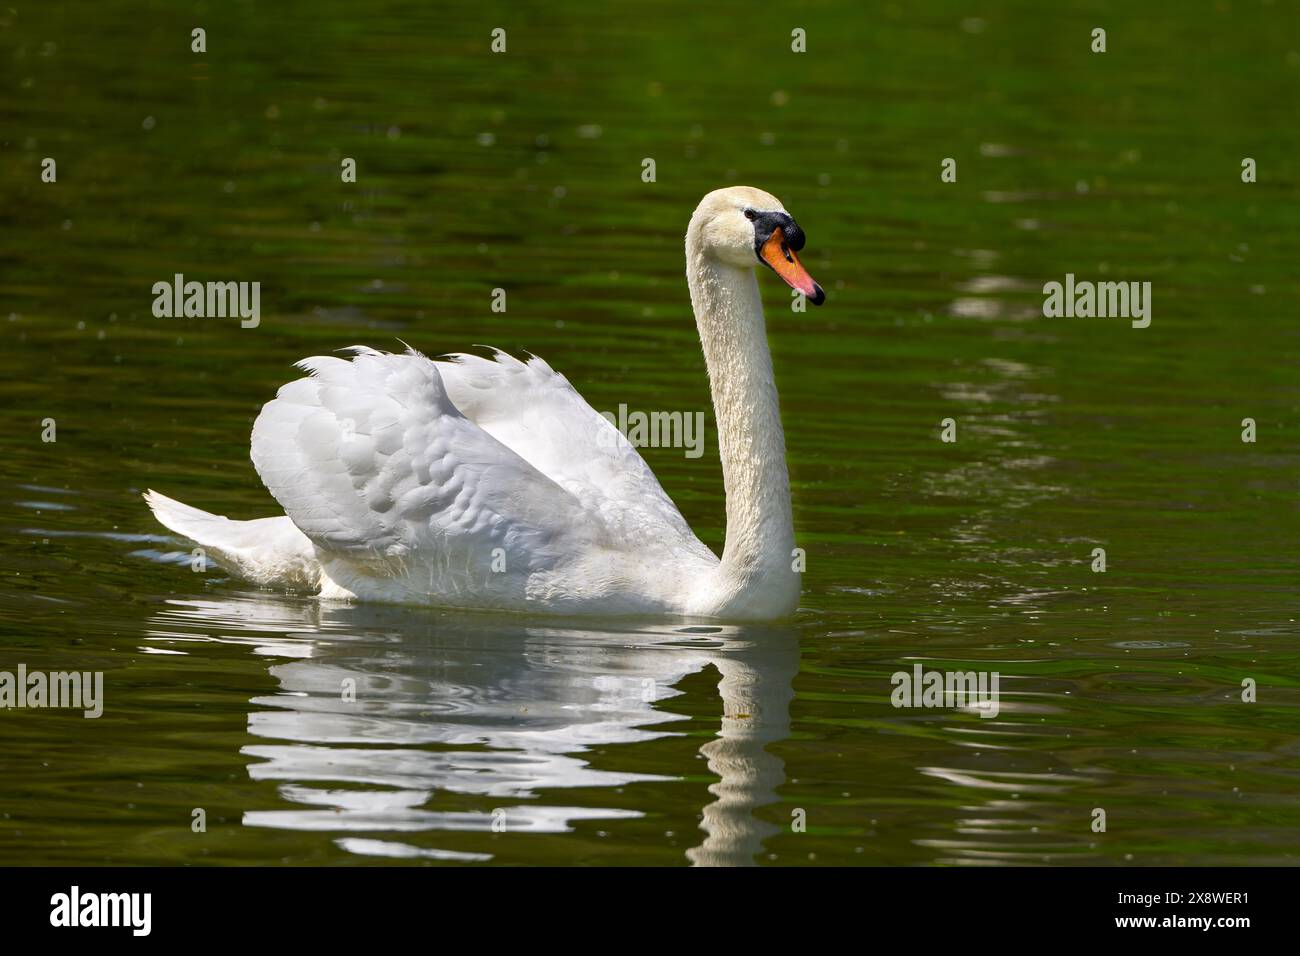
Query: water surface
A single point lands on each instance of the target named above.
(651, 742)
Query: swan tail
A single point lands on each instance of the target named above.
(265, 551)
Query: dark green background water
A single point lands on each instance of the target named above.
(1119, 690)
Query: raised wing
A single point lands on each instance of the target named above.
(533, 409)
(379, 468)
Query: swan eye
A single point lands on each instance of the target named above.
(751, 215)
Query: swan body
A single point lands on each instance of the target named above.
(490, 482)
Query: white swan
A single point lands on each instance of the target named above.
(491, 483)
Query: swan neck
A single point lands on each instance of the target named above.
(760, 534)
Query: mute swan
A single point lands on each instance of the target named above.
(491, 483)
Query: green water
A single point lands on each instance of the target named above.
(600, 743)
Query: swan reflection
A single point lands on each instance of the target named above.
(391, 720)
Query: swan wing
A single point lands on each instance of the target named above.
(382, 472)
(533, 409)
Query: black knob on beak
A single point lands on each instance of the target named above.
(765, 223)
(794, 237)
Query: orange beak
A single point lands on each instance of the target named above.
(777, 254)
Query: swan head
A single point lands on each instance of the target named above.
(743, 226)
